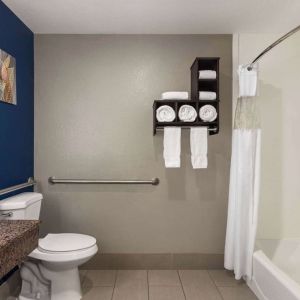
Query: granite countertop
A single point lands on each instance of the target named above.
(18, 238)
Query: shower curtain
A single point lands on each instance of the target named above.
(243, 189)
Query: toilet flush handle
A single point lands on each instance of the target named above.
(7, 214)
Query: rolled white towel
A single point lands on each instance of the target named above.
(208, 113)
(175, 95)
(187, 113)
(247, 81)
(207, 74)
(165, 113)
(204, 95)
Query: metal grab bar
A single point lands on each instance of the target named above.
(53, 180)
(17, 187)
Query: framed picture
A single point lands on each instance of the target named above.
(8, 92)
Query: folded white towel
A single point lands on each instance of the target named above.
(247, 81)
(172, 143)
(175, 95)
(207, 74)
(207, 95)
(187, 113)
(208, 113)
(165, 113)
(198, 142)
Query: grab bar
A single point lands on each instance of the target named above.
(30, 182)
(53, 180)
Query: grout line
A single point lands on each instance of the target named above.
(181, 284)
(217, 288)
(148, 286)
(112, 295)
(83, 277)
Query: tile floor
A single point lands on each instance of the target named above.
(162, 285)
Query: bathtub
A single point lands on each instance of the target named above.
(276, 270)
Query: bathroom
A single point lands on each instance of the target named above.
(88, 76)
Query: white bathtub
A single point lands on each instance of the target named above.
(276, 270)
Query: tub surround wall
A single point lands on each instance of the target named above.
(93, 119)
(16, 122)
(279, 109)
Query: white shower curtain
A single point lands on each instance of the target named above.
(243, 190)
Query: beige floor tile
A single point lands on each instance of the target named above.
(166, 293)
(98, 293)
(224, 278)
(163, 277)
(82, 274)
(241, 292)
(131, 285)
(198, 285)
(99, 278)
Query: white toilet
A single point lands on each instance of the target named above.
(52, 270)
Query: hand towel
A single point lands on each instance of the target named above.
(172, 143)
(247, 81)
(207, 74)
(175, 95)
(187, 113)
(165, 113)
(208, 113)
(198, 142)
(207, 95)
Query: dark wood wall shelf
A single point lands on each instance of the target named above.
(197, 85)
(210, 85)
(176, 104)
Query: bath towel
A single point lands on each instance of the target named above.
(175, 96)
(247, 81)
(187, 113)
(208, 113)
(172, 147)
(165, 113)
(198, 142)
(203, 95)
(207, 74)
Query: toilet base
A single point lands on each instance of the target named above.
(65, 284)
(48, 281)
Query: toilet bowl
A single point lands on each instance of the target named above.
(52, 270)
(59, 256)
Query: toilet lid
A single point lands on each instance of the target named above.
(63, 242)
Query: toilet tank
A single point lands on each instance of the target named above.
(25, 206)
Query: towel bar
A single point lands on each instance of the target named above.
(53, 180)
(188, 127)
(30, 182)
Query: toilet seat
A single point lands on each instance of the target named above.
(65, 242)
(64, 247)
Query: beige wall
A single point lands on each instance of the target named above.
(93, 119)
(280, 115)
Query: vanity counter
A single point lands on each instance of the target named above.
(18, 238)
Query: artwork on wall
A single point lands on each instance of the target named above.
(7, 78)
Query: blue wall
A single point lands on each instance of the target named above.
(16, 122)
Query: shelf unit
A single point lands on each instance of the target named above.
(197, 85)
(210, 85)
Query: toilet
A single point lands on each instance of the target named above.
(51, 272)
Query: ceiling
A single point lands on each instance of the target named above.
(157, 16)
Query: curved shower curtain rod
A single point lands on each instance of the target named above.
(281, 39)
